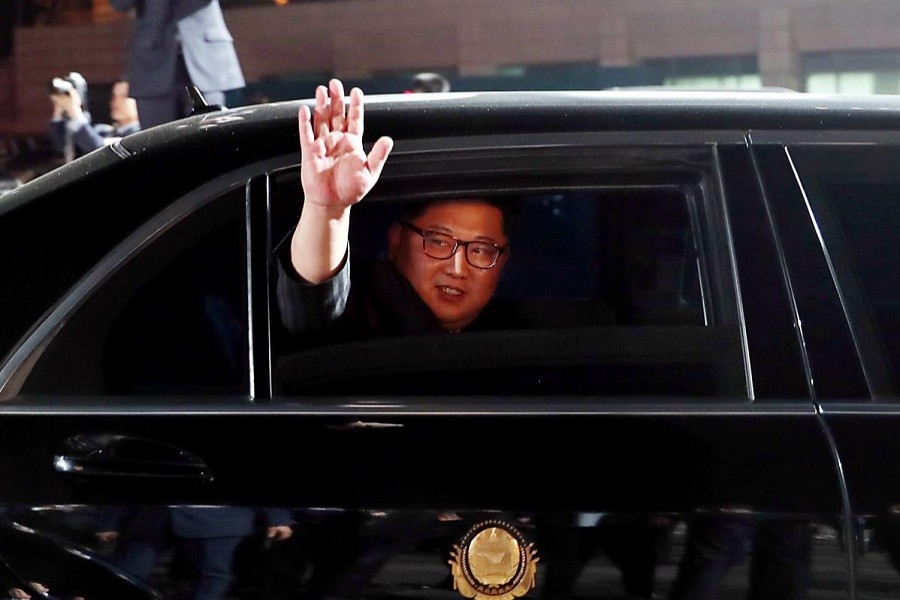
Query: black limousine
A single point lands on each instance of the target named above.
(688, 387)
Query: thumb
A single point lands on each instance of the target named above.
(378, 155)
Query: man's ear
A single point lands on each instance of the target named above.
(395, 233)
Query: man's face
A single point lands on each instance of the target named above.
(122, 107)
(454, 290)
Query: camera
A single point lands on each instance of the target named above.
(72, 81)
(59, 85)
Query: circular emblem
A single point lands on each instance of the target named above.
(494, 561)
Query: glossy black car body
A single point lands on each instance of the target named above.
(697, 393)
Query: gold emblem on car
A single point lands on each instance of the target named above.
(493, 561)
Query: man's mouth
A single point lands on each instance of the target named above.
(450, 291)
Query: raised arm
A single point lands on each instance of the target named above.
(336, 174)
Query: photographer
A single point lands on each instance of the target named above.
(71, 129)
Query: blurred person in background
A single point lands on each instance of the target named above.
(175, 44)
(71, 129)
(204, 540)
(425, 83)
(75, 83)
(7, 181)
(26, 165)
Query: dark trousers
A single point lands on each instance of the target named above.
(173, 105)
(779, 551)
(636, 545)
(207, 562)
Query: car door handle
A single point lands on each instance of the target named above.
(358, 425)
(104, 456)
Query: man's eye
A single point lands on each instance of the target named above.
(439, 242)
(484, 249)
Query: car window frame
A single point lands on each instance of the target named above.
(419, 158)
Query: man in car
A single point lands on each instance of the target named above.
(445, 258)
(444, 264)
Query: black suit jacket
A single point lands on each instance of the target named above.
(163, 29)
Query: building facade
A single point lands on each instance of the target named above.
(286, 48)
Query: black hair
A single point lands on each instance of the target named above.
(430, 82)
(507, 208)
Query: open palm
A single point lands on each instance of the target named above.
(335, 170)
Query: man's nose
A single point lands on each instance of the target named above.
(458, 262)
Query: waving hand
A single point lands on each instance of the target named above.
(335, 170)
(336, 173)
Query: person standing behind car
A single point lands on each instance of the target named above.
(177, 43)
(71, 124)
(428, 83)
(206, 539)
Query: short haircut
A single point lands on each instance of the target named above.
(507, 209)
(430, 82)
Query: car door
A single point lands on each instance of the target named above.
(100, 393)
(849, 276)
(638, 411)
(634, 420)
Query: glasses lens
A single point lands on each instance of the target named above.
(482, 255)
(438, 245)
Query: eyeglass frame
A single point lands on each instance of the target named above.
(501, 250)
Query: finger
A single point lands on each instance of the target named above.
(320, 115)
(378, 155)
(336, 87)
(304, 126)
(355, 112)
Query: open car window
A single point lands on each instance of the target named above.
(611, 288)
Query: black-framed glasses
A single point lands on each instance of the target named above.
(481, 255)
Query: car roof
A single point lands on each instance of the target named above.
(471, 113)
(636, 110)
